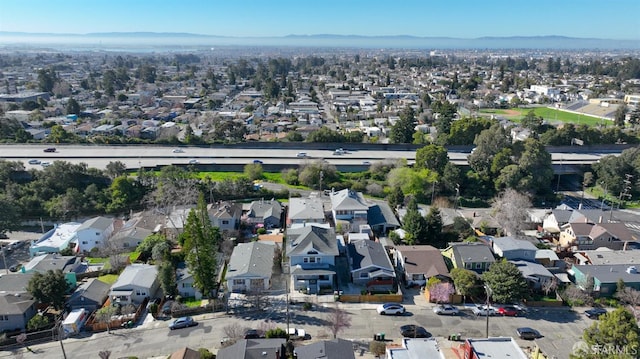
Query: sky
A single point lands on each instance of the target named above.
(604, 19)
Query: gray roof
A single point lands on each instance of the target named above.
(305, 208)
(326, 349)
(15, 304)
(312, 238)
(381, 214)
(46, 262)
(511, 244)
(92, 291)
(254, 349)
(348, 200)
(530, 269)
(562, 216)
(609, 273)
(141, 275)
(253, 259)
(101, 223)
(15, 282)
(230, 210)
(366, 253)
(265, 209)
(605, 255)
(472, 253)
(423, 259)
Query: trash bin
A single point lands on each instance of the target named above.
(381, 336)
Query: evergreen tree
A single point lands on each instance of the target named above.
(414, 224)
(402, 131)
(201, 241)
(433, 228)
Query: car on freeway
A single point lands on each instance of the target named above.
(193, 162)
(34, 162)
(508, 311)
(45, 164)
(258, 162)
(50, 149)
(528, 333)
(302, 155)
(182, 322)
(339, 151)
(366, 163)
(178, 150)
(414, 331)
(446, 309)
(595, 313)
(483, 311)
(391, 308)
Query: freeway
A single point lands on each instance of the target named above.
(153, 155)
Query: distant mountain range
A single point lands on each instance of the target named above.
(169, 39)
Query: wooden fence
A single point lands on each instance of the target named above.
(370, 298)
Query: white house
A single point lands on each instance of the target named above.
(312, 252)
(94, 233)
(250, 267)
(136, 282)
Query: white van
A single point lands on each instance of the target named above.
(302, 155)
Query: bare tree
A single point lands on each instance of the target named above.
(630, 297)
(104, 354)
(549, 286)
(232, 333)
(338, 320)
(510, 210)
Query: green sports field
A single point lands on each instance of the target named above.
(549, 114)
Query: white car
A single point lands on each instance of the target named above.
(193, 162)
(302, 155)
(484, 311)
(391, 308)
(177, 150)
(297, 334)
(446, 309)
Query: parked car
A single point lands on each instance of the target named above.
(252, 334)
(484, 311)
(446, 309)
(298, 334)
(50, 149)
(508, 311)
(391, 308)
(414, 331)
(182, 322)
(528, 333)
(595, 313)
(34, 162)
(167, 307)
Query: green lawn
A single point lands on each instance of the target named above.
(191, 302)
(108, 278)
(548, 114)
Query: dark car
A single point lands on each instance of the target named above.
(50, 149)
(508, 311)
(252, 334)
(167, 307)
(414, 331)
(182, 322)
(528, 333)
(595, 313)
(258, 162)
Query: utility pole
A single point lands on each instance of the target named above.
(60, 337)
(433, 191)
(488, 291)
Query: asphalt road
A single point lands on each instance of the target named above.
(148, 156)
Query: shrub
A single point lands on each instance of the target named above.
(276, 333)
(307, 306)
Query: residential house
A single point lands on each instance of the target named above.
(185, 353)
(370, 265)
(265, 213)
(225, 215)
(305, 210)
(492, 348)
(472, 256)
(481, 220)
(312, 251)
(606, 277)
(16, 309)
(584, 236)
(556, 219)
(349, 207)
(419, 263)
(136, 229)
(605, 255)
(184, 283)
(255, 349)
(93, 233)
(326, 349)
(535, 274)
(70, 266)
(381, 218)
(15, 283)
(250, 267)
(512, 248)
(415, 348)
(55, 240)
(135, 283)
(89, 295)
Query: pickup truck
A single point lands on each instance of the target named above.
(298, 334)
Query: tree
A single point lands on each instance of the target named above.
(488, 144)
(466, 282)
(620, 115)
(395, 197)
(312, 173)
(167, 278)
(253, 171)
(536, 166)
(614, 336)
(414, 224)
(505, 282)
(402, 131)
(338, 320)
(433, 225)
(9, 215)
(441, 292)
(38, 321)
(104, 315)
(629, 296)
(115, 169)
(510, 209)
(200, 247)
(433, 157)
(50, 287)
(73, 107)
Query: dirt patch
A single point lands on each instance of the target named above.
(511, 113)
